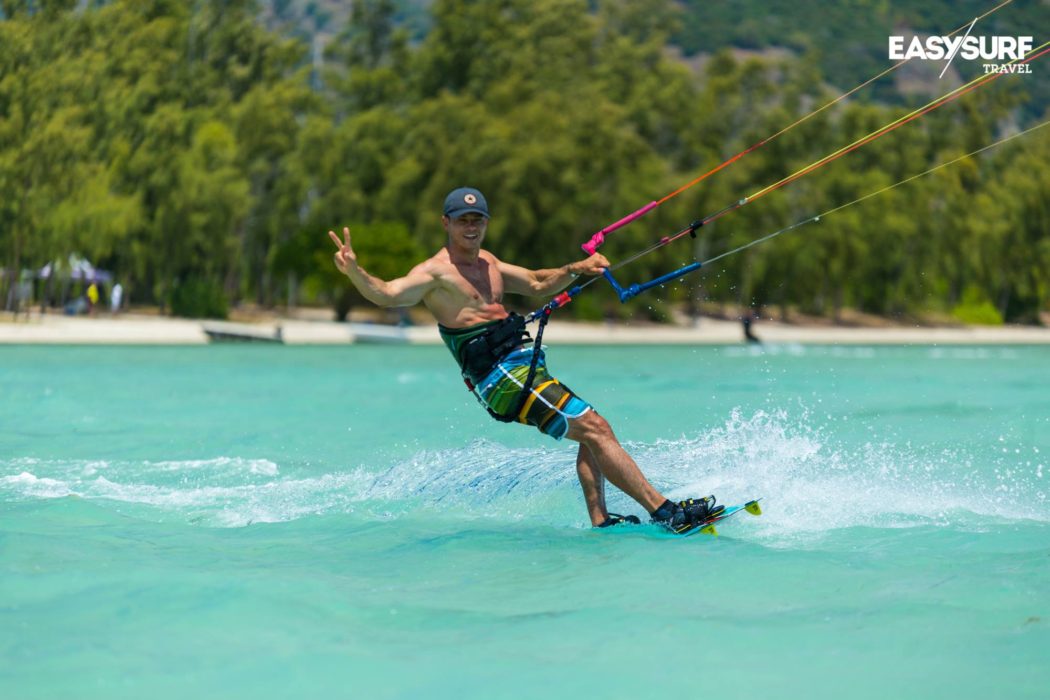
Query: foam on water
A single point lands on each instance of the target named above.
(226, 491)
(809, 484)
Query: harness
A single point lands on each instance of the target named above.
(480, 355)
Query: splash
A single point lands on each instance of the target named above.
(809, 483)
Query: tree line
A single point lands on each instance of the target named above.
(202, 158)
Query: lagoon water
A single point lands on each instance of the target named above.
(274, 522)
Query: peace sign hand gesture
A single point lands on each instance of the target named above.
(345, 255)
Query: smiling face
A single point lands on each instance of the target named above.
(467, 231)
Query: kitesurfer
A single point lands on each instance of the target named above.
(463, 286)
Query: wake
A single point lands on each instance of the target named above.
(808, 483)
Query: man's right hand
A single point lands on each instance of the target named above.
(345, 255)
(594, 265)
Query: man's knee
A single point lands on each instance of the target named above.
(589, 427)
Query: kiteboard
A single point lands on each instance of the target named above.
(708, 526)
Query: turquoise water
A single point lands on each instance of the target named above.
(269, 522)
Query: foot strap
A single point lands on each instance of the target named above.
(617, 519)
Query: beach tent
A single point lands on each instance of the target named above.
(77, 269)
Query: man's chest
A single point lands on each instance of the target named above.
(481, 282)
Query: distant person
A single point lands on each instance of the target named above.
(92, 297)
(747, 320)
(463, 286)
(116, 296)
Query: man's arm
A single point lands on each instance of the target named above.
(403, 291)
(518, 280)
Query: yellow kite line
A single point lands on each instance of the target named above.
(958, 92)
(814, 219)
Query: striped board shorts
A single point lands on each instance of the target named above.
(551, 405)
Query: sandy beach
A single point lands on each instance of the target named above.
(140, 329)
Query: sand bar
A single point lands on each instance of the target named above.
(158, 330)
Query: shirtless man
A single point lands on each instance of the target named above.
(463, 286)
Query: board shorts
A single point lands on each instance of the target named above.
(551, 405)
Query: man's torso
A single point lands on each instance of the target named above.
(468, 294)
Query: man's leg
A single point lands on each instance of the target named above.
(593, 484)
(594, 433)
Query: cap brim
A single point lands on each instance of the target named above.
(456, 213)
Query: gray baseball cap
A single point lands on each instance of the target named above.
(465, 200)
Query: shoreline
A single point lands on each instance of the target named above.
(142, 329)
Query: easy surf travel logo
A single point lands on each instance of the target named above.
(999, 54)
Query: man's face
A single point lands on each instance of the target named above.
(468, 229)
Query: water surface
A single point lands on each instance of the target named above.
(237, 521)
